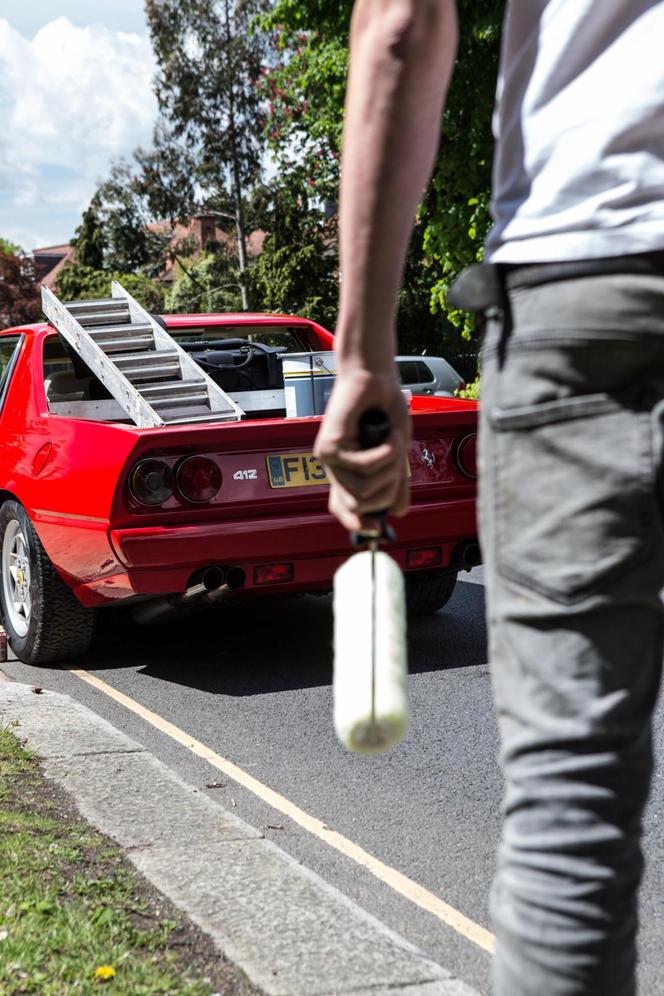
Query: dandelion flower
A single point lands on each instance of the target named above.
(105, 972)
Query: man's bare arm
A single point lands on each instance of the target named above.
(402, 54)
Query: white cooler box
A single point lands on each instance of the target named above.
(308, 382)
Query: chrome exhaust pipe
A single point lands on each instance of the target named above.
(211, 579)
(471, 556)
(235, 579)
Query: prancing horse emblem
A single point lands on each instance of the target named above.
(427, 457)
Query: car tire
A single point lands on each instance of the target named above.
(428, 592)
(43, 619)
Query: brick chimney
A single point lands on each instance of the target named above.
(206, 229)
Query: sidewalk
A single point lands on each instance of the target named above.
(287, 929)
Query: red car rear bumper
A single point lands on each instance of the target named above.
(162, 559)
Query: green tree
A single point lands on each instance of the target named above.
(209, 284)
(113, 243)
(89, 241)
(296, 272)
(156, 184)
(80, 282)
(117, 233)
(167, 179)
(306, 85)
(419, 329)
(305, 88)
(10, 247)
(125, 213)
(457, 205)
(209, 62)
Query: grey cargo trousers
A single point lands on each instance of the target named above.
(571, 526)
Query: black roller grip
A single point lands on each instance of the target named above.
(373, 428)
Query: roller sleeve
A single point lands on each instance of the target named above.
(364, 675)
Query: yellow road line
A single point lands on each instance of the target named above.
(405, 886)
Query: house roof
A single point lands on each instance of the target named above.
(61, 255)
(175, 234)
(179, 233)
(52, 250)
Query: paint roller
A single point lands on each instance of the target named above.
(370, 692)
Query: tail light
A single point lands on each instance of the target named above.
(198, 479)
(466, 455)
(151, 482)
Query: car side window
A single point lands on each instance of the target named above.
(9, 347)
(66, 379)
(408, 371)
(424, 373)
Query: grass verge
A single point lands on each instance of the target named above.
(74, 916)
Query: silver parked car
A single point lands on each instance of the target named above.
(428, 375)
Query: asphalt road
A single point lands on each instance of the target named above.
(254, 685)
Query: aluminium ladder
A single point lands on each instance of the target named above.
(152, 378)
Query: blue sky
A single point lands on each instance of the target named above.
(75, 93)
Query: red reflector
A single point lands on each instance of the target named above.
(273, 573)
(467, 455)
(429, 557)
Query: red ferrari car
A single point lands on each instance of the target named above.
(98, 511)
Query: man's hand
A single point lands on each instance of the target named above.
(365, 481)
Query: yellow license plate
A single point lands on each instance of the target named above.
(295, 470)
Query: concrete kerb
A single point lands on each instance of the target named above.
(292, 933)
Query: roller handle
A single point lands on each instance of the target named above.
(373, 429)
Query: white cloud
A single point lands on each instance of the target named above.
(28, 16)
(72, 99)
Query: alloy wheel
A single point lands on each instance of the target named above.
(16, 577)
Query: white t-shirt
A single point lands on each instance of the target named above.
(579, 167)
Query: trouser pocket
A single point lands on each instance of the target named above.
(572, 493)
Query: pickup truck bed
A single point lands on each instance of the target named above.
(242, 506)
